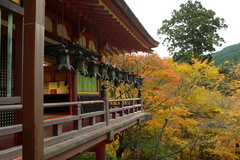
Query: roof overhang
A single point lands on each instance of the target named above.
(109, 22)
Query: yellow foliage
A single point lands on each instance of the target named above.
(185, 105)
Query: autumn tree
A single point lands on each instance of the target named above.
(160, 84)
(191, 119)
(192, 32)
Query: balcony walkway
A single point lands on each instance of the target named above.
(70, 135)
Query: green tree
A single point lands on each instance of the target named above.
(192, 32)
(92, 155)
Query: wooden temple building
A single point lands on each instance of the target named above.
(52, 101)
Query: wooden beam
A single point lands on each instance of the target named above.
(11, 6)
(34, 11)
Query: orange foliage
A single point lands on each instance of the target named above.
(197, 114)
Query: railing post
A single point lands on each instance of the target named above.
(57, 129)
(140, 96)
(133, 107)
(77, 125)
(122, 106)
(104, 97)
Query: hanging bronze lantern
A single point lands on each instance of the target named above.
(134, 77)
(80, 66)
(79, 62)
(136, 85)
(63, 58)
(140, 80)
(116, 83)
(111, 73)
(103, 71)
(125, 76)
(93, 68)
(119, 75)
(130, 78)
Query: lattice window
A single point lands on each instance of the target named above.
(6, 118)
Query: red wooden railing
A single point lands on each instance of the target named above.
(64, 128)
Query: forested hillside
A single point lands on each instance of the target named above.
(230, 53)
(194, 108)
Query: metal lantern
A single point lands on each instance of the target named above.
(125, 76)
(111, 73)
(140, 80)
(80, 66)
(93, 68)
(103, 71)
(116, 82)
(130, 77)
(63, 58)
(134, 77)
(119, 75)
(136, 85)
(79, 62)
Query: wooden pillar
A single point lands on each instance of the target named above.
(74, 87)
(100, 151)
(18, 72)
(70, 83)
(104, 96)
(34, 11)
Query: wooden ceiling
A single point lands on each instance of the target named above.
(109, 21)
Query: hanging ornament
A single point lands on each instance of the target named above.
(79, 64)
(63, 58)
(103, 68)
(111, 73)
(136, 85)
(93, 68)
(116, 83)
(130, 77)
(119, 75)
(140, 80)
(125, 76)
(134, 77)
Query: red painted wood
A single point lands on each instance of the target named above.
(101, 151)
(18, 20)
(33, 80)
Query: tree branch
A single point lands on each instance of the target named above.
(180, 150)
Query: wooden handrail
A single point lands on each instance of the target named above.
(120, 100)
(48, 105)
(109, 116)
(10, 100)
(10, 107)
(15, 128)
(64, 104)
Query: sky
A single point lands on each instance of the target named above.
(151, 13)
